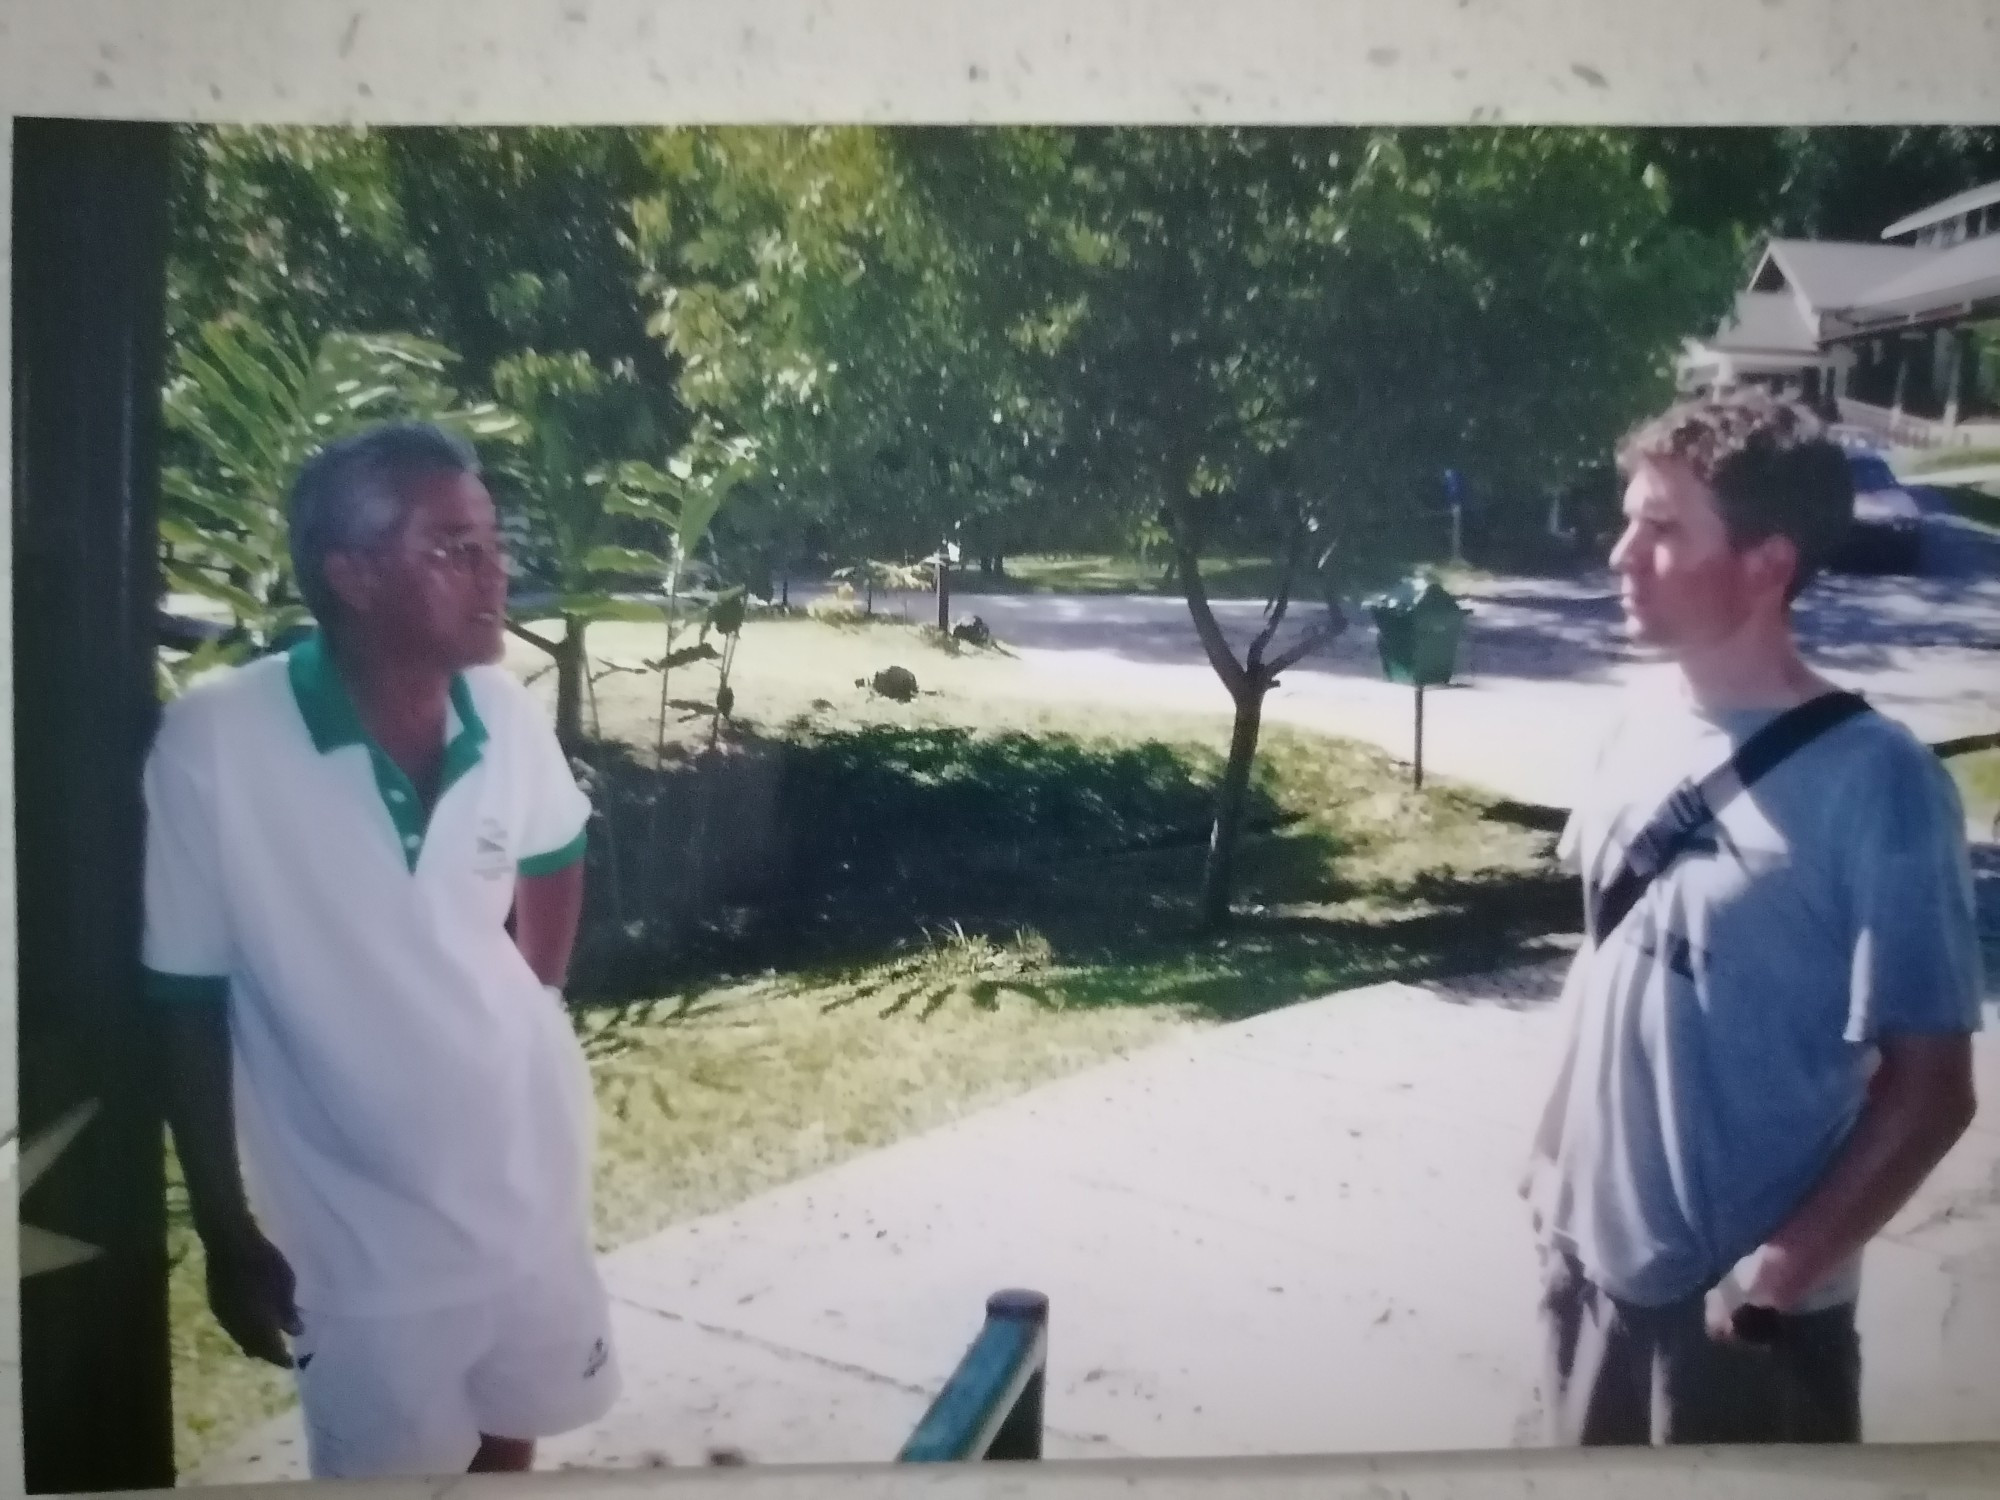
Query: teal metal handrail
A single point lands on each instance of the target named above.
(991, 1407)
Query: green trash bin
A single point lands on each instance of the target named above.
(1417, 629)
(1418, 625)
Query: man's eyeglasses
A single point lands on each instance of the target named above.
(466, 555)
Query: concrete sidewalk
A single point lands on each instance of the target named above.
(1295, 1234)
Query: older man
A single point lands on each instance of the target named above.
(336, 840)
(1770, 1014)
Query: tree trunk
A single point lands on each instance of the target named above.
(1218, 875)
(571, 663)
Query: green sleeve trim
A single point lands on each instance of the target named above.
(557, 859)
(187, 989)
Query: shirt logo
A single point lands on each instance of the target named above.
(599, 1355)
(490, 855)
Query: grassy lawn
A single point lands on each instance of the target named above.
(1226, 577)
(994, 891)
(1937, 460)
(1978, 778)
(1975, 503)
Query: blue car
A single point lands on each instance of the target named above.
(1887, 533)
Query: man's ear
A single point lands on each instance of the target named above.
(1775, 561)
(353, 579)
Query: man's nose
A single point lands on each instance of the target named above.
(1622, 552)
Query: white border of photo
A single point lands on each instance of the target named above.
(976, 61)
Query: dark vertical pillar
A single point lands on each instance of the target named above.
(90, 237)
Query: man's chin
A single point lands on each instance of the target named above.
(482, 648)
(1642, 632)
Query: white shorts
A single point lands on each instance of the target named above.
(414, 1393)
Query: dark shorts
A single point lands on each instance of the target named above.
(1620, 1373)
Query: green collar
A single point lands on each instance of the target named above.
(334, 724)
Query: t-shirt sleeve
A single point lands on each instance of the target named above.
(187, 949)
(1916, 962)
(1569, 853)
(557, 829)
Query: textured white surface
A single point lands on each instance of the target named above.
(1125, 60)
(963, 60)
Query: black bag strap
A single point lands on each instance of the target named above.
(1692, 805)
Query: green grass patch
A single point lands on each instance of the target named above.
(942, 903)
(1974, 503)
(1978, 778)
(1104, 573)
(1939, 460)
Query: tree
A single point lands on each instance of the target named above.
(1281, 337)
(487, 241)
(813, 313)
(1846, 182)
(495, 244)
(297, 226)
(575, 501)
(525, 238)
(1852, 182)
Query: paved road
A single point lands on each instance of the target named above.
(1544, 662)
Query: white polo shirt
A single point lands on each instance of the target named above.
(414, 1112)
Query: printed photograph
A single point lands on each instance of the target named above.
(938, 794)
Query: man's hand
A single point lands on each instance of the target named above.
(1530, 1188)
(1744, 1306)
(1920, 1101)
(1525, 1188)
(250, 1291)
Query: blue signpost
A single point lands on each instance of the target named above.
(1454, 495)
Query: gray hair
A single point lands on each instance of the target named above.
(354, 493)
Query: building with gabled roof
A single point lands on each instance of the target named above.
(1884, 333)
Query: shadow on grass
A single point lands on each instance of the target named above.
(1528, 815)
(1274, 956)
(904, 868)
(777, 852)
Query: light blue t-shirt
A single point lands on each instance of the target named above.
(1725, 1030)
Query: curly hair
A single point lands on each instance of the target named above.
(1768, 462)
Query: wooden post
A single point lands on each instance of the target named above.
(90, 251)
(1420, 738)
(1955, 362)
(944, 587)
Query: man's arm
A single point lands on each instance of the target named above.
(547, 909)
(1547, 1139)
(1920, 1102)
(249, 1284)
(188, 958)
(1914, 994)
